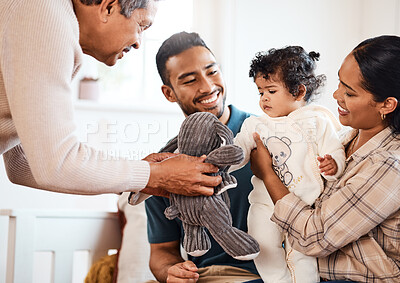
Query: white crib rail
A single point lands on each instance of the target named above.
(24, 232)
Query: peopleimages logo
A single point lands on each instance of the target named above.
(299, 131)
(113, 140)
(131, 132)
(116, 154)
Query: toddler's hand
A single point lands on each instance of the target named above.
(327, 165)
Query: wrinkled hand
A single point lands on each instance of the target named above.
(260, 159)
(183, 174)
(327, 165)
(183, 272)
(155, 192)
(158, 157)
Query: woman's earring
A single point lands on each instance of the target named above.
(383, 116)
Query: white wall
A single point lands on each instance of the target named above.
(331, 27)
(380, 17)
(131, 133)
(235, 30)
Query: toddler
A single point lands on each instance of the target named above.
(303, 142)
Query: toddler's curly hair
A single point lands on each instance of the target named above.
(293, 65)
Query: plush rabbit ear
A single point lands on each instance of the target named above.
(224, 133)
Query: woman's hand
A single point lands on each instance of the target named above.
(260, 159)
(261, 165)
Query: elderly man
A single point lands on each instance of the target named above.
(41, 52)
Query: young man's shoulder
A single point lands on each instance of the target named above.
(238, 113)
(237, 118)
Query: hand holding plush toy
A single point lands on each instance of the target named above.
(203, 134)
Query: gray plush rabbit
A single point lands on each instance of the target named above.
(203, 134)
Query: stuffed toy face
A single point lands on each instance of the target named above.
(202, 133)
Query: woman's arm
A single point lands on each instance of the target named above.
(261, 165)
(362, 202)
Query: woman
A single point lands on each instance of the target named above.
(40, 53)
(353, 229)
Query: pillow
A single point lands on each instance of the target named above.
(134, 254)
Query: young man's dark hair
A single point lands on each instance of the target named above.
(175, 45)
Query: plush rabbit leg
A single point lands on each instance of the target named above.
(196, 241)
(171, 212)
(226, 199)
(235, 242)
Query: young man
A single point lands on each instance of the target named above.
(192, 78)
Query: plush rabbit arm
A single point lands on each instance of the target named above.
(171, 146)
(225, 156)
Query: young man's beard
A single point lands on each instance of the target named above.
(187, 110)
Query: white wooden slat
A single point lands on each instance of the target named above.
(24, 232)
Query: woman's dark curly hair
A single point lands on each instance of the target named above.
(292, 65)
